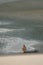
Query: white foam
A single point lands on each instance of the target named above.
(14, 44)
(5, 23)
(19, 29)
(4, 30)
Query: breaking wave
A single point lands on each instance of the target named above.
(4, 30)
(14, 44)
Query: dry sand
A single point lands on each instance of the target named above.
(34, 59)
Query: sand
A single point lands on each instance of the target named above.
(30, 59)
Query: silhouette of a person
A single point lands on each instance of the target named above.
(24, 48)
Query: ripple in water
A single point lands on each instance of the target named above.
(5, 23)
(4, 30)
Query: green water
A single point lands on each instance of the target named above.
(16, 32)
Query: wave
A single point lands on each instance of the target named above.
(38, 25)
(5, 23)
(4, 30)
(14, 44)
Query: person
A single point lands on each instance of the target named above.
(24, 48)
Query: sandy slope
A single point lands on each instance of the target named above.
(22, 60)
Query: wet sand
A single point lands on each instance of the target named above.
(29, 59)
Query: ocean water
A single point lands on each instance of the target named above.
(16, 32)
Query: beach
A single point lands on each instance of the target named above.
(21, 23)
(28, 59)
